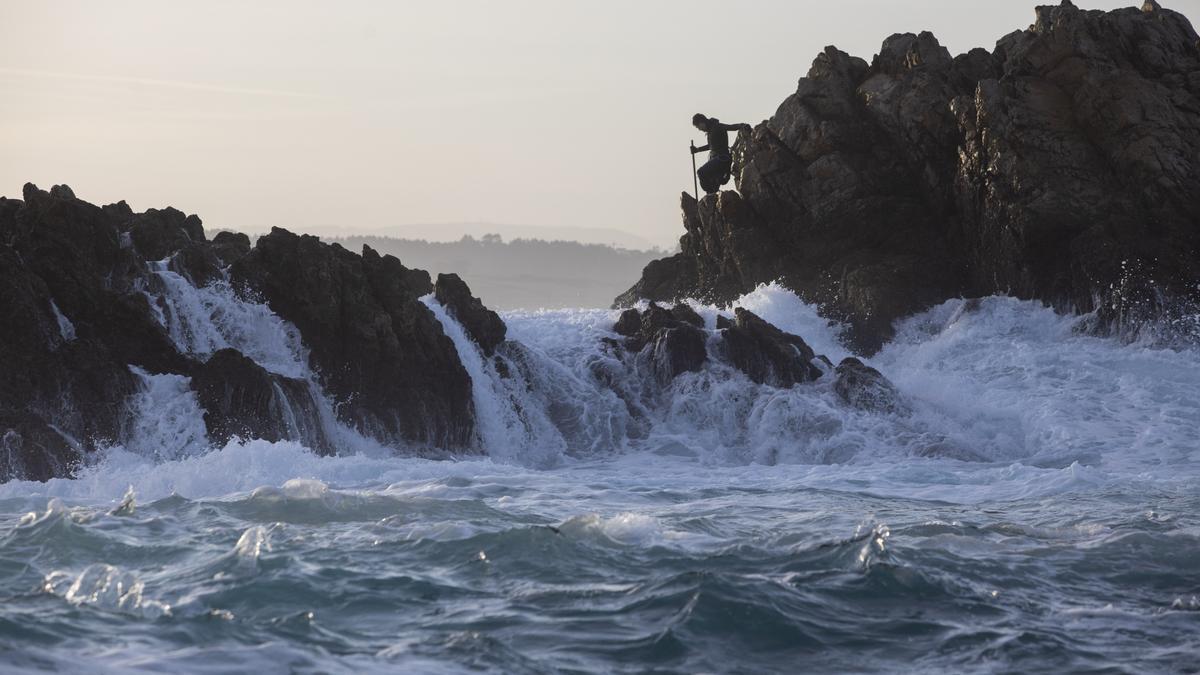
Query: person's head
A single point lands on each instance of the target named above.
(700, 122)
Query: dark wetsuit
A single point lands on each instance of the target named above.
(715, 171)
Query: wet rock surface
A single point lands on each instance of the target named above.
(81, 297)
(373, 343)
(865, 388)
(1063, 165)
(766, 354)
(671, 341)
(481, 324)
(241, 399)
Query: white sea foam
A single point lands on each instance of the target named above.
(204, 320)
(105, 587)
(1008, 386)
(66, 329)
(166, 418)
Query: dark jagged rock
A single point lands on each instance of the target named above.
(159, 233)
(81, 297)
(686, 314)
(242, 399)
(678, 350)
(629, 323)
(865, 388)
(766, 354)
(74, 324)
(670, 340)
(31, 449)
(229, 247)
(482, 325)
(197, 263)
(169, 234)
(378, 350)
(1047, 169)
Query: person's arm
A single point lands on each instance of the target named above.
(699, 149)
(736, 127)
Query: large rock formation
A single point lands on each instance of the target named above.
(374, 344)
(1063, 166)
(87, 318)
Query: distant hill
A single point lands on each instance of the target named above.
(522, 273)
(451, 232)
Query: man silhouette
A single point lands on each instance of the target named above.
(715, 171)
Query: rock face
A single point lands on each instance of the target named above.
(84, 304)
(482, 324)
(242, 399)
(670, 341)
(371, 340)
(1063, 166)
(72, 327)
(766, 354)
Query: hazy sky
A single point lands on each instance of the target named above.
(322, 115)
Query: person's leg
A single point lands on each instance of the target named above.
(710, 176)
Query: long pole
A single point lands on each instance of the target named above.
(695, 181)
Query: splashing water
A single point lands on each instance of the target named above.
(1033, 508)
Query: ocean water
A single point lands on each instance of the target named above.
(1034, 507)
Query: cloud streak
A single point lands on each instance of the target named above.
(152, 82)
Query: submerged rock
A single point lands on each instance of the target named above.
(1063, 166)
(865, 388)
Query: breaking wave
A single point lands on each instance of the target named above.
(1034, 496)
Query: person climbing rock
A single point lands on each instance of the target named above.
(715, 171)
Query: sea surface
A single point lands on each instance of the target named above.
(1034, 507)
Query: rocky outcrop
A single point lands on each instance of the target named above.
(481, 324)
(375, 346)
(1063, 166)
(73, 325)
(87, 317)
(766, 354)
(670, 341)
(673, 341)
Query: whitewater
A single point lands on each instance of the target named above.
(1032, 505)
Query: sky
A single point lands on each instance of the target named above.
(334, 117)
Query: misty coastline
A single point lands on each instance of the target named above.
(520, 273)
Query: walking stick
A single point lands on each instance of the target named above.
(695, 181)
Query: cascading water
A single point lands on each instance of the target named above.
(204, 320)
(1035, 497)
